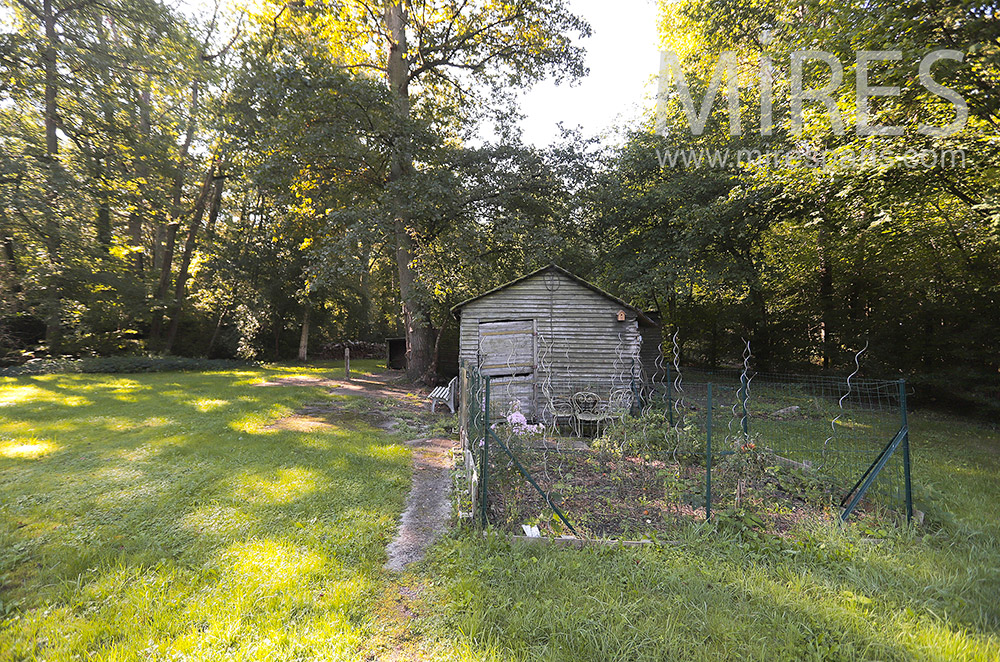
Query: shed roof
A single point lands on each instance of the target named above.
(642, 317)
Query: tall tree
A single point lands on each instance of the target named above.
(443, 61)
(79, 68)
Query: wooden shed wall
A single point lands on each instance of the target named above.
(579, 343)
(649, 351)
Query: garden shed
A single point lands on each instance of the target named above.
(550, 334)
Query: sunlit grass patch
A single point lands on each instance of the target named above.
(255, 422)
(220, 520)
(282, 486)
(396, 452)
(26, 449)
(263, 566)
(21, 395)
(162, 518)
(853, 423)
(209, 404)
(11, 394)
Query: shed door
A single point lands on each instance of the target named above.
(507, 354)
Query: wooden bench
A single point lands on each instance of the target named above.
(445, 394)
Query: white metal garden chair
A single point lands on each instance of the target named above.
(560, 410)
(588, 408)
(619, 404)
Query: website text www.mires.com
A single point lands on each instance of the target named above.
(805, 158)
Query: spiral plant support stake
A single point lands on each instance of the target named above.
(745, 380)
(546, 344)
(840, 403)
(618, 367)
(740, 415)
(635, 369)
(658, 380)
(731, 437)
(617, 371)
(678, 380)
(657, 385)
(545, 383)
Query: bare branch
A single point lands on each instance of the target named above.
(74, 7)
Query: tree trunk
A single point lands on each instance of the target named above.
(176, 197)
(213, 210)
(430, 377)
(825, 296)
(11, 277)
(159, 235)
(419, 333)
(135, 242)
(215, 333)
(141, 173)
(304, 338)
(103, 162)
(365, 328)
(183, 273)
(102, 224)
(166, 260)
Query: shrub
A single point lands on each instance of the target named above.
(120, 364)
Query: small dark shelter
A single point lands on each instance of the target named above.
(396, 353)
(550, 334)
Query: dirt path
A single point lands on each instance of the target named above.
(370, 386)
(428, 507)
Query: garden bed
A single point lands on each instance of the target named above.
(632, 496)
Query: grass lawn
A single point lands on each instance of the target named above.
(726, 593)
(158, 516)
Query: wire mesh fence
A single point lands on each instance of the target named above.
(775, 448)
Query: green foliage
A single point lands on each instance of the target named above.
(748, 462)
(812, 263)
(206, 191)
(651, 434)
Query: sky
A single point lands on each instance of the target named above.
(623, 57)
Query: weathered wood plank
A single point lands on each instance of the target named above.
(578, 342)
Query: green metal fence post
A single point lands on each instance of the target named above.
(708, 459)
(906, 450)
(670, 404)
(486, 455)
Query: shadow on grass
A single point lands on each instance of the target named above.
(688, 603)
(166, 519)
